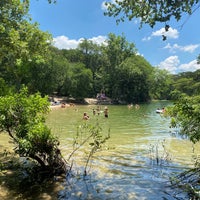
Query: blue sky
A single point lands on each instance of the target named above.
(69, 21)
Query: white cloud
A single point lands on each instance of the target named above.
(63, 42)
(188, 48)
(171, 33)
(146, 38)
(191, 66)
(99, 40)
(171, 64)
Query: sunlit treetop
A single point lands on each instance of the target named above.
(150, 11)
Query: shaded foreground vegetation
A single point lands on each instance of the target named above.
(22, 117)
(20, 179)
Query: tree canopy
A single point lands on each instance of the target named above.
(22, 42)
(150, 11)
(185, 116)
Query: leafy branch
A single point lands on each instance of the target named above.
(91, 135)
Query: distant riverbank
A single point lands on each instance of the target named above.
(63, 102)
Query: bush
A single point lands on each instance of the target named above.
(22, 116)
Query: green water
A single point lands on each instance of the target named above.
(127, 167)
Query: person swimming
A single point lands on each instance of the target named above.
(85, 116)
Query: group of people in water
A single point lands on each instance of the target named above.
(131, 105)
(96, 111)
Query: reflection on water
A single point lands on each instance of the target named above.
(137, 161)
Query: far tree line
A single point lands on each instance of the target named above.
(115, 68)
(29, 59)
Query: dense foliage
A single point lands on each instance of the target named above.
(187, 83)
(185, 117)
(150, 12)
(22, 43)
(22, 116)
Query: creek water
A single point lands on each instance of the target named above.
(135, 163)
